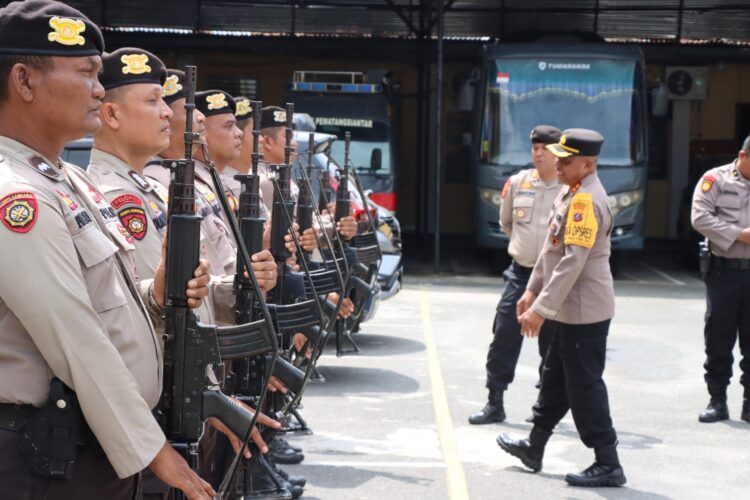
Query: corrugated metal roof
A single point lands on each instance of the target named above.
(689, 21)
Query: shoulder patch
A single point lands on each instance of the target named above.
(707, 183)
(506, 187)
(19, 211)
(126, 199)
(581, 225)
(135, 221)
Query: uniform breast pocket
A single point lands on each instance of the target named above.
(100, 269)
(728, 207)
(523, 208)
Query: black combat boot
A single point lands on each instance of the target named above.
(530, 451)
(493, 411)
(715, 411)
(283, 454)
(605, 471)
(746, 410)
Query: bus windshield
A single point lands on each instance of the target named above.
(603, 95)
(366, 135)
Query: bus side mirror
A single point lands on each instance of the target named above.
(376, 159)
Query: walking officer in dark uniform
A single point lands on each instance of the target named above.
(571, 288)
(527, 201)
(721, 214)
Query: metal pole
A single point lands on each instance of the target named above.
(438, 132)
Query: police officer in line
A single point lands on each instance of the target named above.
(572, 288)
(273, 141)
(244, 162)
(135, 126)
(72, 314)
(721, 213)
(526, 202)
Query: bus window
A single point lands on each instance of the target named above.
(598, 94)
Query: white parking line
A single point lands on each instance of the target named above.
(664, 275)
(395, 465)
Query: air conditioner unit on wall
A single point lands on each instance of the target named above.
(687, 82)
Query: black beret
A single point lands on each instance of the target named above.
(130, 65)
(577, 142)
(272, 116)
(214, 102)
(48, 28)
(546, 134)
(244, 108)
(174, 86)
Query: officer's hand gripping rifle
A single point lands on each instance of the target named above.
(192, 348)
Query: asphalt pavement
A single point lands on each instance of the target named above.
(391, 422)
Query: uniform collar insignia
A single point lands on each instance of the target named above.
(66, 31)
(576, 187)
(142, 183)
(44, 168)
(534, 174)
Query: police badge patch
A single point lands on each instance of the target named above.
(19, 211)
(135, 221)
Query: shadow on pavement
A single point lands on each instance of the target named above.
(337, 477)
(380, 345)
(359, 380)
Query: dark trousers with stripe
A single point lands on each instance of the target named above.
(505, 348)
(727, 320)
(572, 380)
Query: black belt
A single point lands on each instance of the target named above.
(522, 269)
(13, 417)
(735, 264)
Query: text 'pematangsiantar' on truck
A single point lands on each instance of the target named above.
(362, 104)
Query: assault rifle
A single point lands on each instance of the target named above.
(192, 348)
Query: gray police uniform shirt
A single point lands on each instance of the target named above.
(233, 185)
(524, 214)
(141, 205)
(71, 308)
(139, 208)
(720, 210)
(572, 278)
(216, 246)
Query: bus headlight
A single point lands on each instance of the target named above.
(621, 201)
(493, 196)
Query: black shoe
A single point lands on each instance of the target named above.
(530, 419)
(283, 454)
(714, 412)
(290, 445)
(493, 411)
(605, 471)
(262, 487)
(597, 476)
(295, 480)
(530, 451)
(746, 411)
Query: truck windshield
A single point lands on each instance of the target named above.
(366, 135)
(603, 95)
